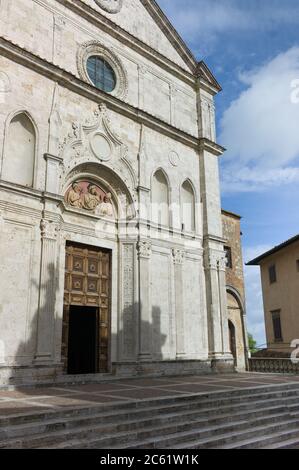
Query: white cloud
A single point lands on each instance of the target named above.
(254, 298)
(205, 21)
(260, 129)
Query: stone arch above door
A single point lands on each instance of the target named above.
(98, 190)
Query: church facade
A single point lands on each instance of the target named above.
(111, 246)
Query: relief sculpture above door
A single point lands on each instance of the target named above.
(90, 197)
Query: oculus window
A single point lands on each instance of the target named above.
(101, 73)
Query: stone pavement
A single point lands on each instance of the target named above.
(31, 400)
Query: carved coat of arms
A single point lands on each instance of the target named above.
(111, 6)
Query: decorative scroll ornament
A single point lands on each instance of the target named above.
(111, 6)
(89, 197)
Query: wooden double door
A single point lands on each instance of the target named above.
(86, 315)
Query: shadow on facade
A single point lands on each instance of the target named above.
(133, 338)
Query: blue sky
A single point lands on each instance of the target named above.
(252, 46)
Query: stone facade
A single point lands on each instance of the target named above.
(84, 167)
(235, 288)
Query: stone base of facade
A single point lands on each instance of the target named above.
(223, 365)
(161, 368)
(17, 376)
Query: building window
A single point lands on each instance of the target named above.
(272, 274)
(99, 66)
(228, 256)
(277, 325)
(101, 73)
(297, 264)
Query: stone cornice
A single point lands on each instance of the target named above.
(211, 147)
(111, 28)
(66, 79)
(170, 32)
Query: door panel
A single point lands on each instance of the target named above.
(87, 284)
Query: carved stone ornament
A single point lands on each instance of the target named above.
(174, 158)
(111, 6)
(49, 230)
(89, 197)
(95, 48)
(144, 249)
(178, 256)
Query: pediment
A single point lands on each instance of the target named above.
(145, 20)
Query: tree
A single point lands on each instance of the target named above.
(252, 343)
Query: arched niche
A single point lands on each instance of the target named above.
(160, 198)
(19, 151)
(99, 191)
(188, 206)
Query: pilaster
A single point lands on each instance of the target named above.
(144, 250)
(178, 260)
(47, 297)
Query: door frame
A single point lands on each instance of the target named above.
(67, 306)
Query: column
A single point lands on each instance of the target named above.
(145, 315)
(178, 259)
(48, 290)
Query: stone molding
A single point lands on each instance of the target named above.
(91, 48)
(71, 82)
(144, 249)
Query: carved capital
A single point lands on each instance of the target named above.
(49, 230)
(178, 256)
(215, 260)
(222, 263)
(211, 260)
(144, 249)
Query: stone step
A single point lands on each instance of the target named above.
(154, 423)
(170, 435)
(284, 441)
(248, 438)
(131, 424)
(216, 399)
(143, 417)
(274, 440)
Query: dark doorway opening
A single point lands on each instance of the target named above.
(83, 340)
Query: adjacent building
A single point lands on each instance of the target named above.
(111, 245)
(280, 284)
(235, 288)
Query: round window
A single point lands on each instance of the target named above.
(101, 73)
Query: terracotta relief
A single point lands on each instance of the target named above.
(90, 197)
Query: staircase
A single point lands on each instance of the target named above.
(263, 417)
